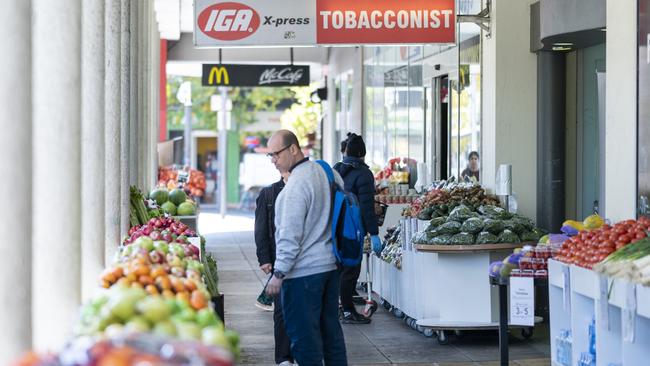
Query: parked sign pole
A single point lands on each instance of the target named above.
(222, 149)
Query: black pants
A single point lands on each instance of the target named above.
(349, 278)
(282, 342)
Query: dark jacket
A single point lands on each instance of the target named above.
(359, 180)
(265, 222)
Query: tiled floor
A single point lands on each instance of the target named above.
(387, 340)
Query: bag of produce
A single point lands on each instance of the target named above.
(434, 223)
(443, 239)
(462, 239)
(494, 212)
(495, 269)
(529, 236)
(425, 214)
(493, 226)
(525, 222)
(486, 237)
(514, 226)
(509, 237)
(472, 225)
(460, 213)
(420, 238)
(593, 222)
(449, 227)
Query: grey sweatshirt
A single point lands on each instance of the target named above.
(302, 219)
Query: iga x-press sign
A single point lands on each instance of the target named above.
(323, 22)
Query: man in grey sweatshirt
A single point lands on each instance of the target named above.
(305, 271)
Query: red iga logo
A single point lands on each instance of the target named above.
(228, 21)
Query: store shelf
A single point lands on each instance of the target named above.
(584, 282)
(468, 248)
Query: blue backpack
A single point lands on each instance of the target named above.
(347, 227)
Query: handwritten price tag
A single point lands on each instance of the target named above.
(522, 301)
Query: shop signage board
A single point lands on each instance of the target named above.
(254, 75)
(522, 301)
(322, 22)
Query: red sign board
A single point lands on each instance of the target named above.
(385, 21)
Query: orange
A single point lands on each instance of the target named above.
(198, 300)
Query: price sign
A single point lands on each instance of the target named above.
(629, 313)
(566, 279)
(602, 304)
(522, 301)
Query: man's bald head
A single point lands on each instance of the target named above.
(286, 145)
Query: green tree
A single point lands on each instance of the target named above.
(303, 116)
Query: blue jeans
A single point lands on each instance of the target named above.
(311, 306)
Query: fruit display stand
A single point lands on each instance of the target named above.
(578, 295)
(463, 298)
(191, 221)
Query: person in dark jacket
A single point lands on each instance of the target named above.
(265, 243)
(358, 179)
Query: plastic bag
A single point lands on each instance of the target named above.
(486, 237)
(593, 222)
(514, 225)
(509, 237)
(443, 239)
(525, 222)
(462, 239)
(493, 226)
(420, 238)
(472, 225)
(529, 236)
(494, 212)
(434, 223)
(449, 227)
(425, 214)
(460, 213)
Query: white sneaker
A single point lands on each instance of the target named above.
(285, 363)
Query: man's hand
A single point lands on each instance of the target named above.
(273, 288)
(266, 268)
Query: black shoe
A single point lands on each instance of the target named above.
(354, 318)
(358, 300)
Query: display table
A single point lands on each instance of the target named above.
(576, 298)
(465, 300)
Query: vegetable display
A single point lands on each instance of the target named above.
(441, 200)
(589, 247)
(392, 251)
(141, 209)
(631, 262)
(161, 228)
(484, 225)
(168, 177)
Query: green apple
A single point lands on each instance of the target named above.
(177, 250)
(161, 245)
(144, 242)
(188, 331)
(215, 336)
(154, 309)
(207, 317)
(195, 265)
(185, 315)
(165, 328)
(137, 324)
(123, 300)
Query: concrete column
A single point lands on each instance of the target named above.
(57, 170)
(147, 9)
(142, 125)
(15, 159)
(92, 146)
(621, 109)
(125, 115)
(509, 84)
(133, 97)
(153, 102)
(112, 128)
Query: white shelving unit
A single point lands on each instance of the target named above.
(584, 297)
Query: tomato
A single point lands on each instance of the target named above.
(625, 238)
(640, 235)
(620, 245)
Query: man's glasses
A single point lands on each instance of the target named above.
(275, 154)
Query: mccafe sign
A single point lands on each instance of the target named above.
(323, 22)
(254, 75)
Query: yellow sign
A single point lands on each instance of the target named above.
(219, 73)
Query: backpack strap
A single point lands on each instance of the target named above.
(328, 170)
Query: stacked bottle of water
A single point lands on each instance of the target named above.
(564, 344)
(589, 358)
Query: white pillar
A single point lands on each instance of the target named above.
(621, 110)
(92, 146)
(15, 160)
(56, 145)
(142, 91)
(125, 115)
(133, 97)
(112, 128)
(154, 101)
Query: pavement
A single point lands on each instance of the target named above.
(385, 341)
